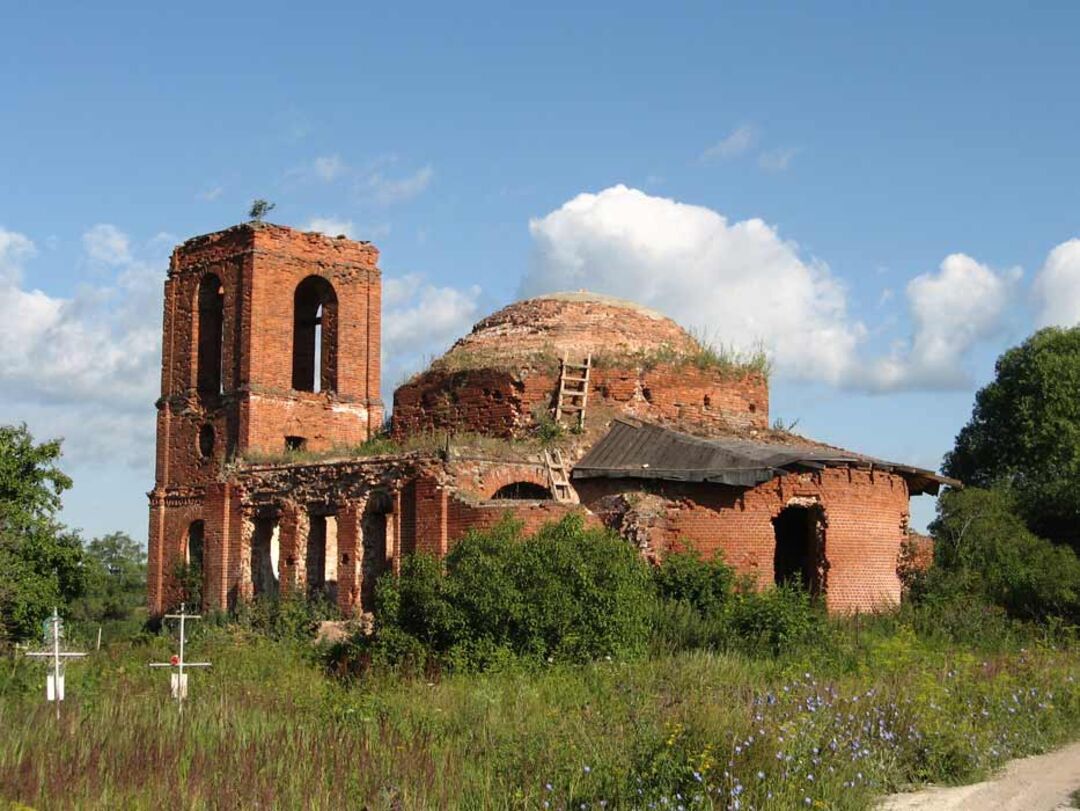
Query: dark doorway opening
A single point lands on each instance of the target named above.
(373, 525)
(523, 491)
(316, 556)
(265, 550)
(800, 548)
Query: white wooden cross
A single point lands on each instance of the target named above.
(178, 680)
(54, 682)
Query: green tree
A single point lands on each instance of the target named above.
(40, 559)
(982, 547)
(115, 569)
(1024, 433)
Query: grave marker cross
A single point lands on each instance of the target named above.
(54, 682)
(178, 680)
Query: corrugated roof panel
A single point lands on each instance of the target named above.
(633, 449)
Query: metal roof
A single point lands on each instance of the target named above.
(640, 450)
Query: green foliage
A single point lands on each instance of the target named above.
(263, 727)
(289, 618)
(40, 559)
(776, 619)
(702, 606)
(1024, 433)
(685, 577)
(260, 208)
(115, 594)
(188, 578)
(983, 549)
(566, 594)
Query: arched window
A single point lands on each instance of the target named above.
(314, 336)
(211, 320)
(526, 491)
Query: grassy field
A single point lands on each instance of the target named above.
(267, 727)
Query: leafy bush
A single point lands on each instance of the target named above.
(776, 619)
(982, 547)
(566, 594)
(685, 577)
(289, 618)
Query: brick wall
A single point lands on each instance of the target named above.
(866, 515)
(504, 404)
(259, 267)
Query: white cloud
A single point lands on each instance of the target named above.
(331, 227)
(211, 194)
(951, 311)
(334, 226)
(742, 285)
(85, 367)
(330, 167)
(14, 250)
(421, 320)
(107, 243)
(1057, 287)
(737, 142)
(388, 191)
(739, 283)
(777, 160)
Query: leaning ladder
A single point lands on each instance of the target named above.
(561, 488)
(573, 390)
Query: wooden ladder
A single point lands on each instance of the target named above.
(573, 389)
(559, 477)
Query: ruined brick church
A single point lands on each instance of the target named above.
(276, 472)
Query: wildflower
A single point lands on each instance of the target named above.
(587, 769)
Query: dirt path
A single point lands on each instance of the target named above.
(1040, 783)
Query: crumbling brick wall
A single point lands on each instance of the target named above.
(506, 404)
(865, 513)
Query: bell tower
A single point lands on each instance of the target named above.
(271, 343)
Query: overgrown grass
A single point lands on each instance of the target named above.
(703, 353)
(876, 709)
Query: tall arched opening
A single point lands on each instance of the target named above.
(315, 321)
(211, 305)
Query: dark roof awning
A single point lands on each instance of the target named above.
(639, 450)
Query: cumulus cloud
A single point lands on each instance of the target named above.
(951, 310)
(739, 283)
(737, 142)
(84, 366)
(421, 320)
(14, 250)
(1056, 290)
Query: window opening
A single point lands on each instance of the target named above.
(522, 491)
(211, 305)
(314, 336)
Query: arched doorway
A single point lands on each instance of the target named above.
(800, 558)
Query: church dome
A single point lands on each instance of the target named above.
(576, 324)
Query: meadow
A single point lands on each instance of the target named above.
(873, 707)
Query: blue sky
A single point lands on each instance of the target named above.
(883, 194)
